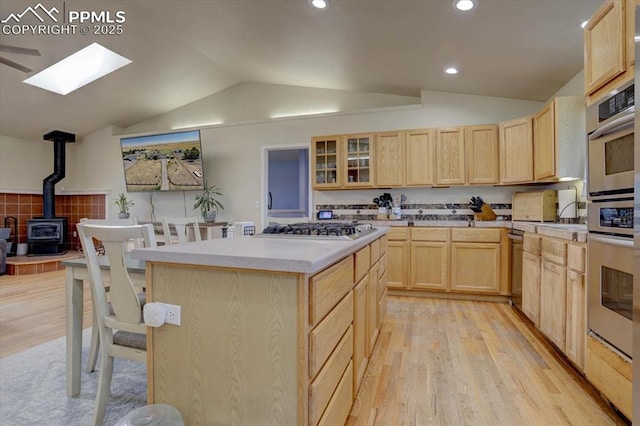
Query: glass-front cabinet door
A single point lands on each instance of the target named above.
(358, 151)
(326, 162)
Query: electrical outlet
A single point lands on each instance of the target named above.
(75, 234)
(173, 313)
(257, 204)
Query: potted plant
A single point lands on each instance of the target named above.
(207, 202)
(123, 204)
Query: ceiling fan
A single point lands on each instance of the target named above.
(19, 51)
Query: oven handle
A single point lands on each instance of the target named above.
(612, 241)
(615, 125)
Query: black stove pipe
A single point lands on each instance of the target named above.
(59, 139)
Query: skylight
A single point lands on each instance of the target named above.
(79, 69)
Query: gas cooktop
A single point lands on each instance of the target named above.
(334, 230)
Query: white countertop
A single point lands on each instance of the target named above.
(285, 254)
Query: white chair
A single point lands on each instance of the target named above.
(95, 343)
(120, 326)
(180, 224)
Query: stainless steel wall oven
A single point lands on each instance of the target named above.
(610, 124)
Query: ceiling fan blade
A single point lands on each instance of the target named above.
(14, 65)
(19, 50)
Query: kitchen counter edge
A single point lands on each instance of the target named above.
(296, 255)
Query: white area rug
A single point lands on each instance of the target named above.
(33, 388)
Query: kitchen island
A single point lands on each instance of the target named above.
(273, 330)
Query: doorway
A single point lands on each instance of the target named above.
(287, 184)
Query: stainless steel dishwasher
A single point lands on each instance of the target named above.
(515, 239)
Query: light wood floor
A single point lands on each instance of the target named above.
(444, 362)
(437, 362)
(32, 310)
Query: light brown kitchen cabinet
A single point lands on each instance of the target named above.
(372, 311)
(553, 302)
(576, 323)
(430, 258)
(481, 150)
(360, 358)
(531, 286)
(475, 260)
(450, 159)
(358, 161)
(559, 139)
(605, 45)
(389, 149)
(420, 157)
(516, 150)
(326, 162)
(398, 249)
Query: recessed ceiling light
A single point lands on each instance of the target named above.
(319, 4)
(464, 5)
(584, 24)
(79, 69)
(451, 70)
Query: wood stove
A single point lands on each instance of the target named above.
(47, 235)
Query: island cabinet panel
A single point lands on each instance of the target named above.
(372, 312)
(340, 405)
(323, 386)
(362, 262)
(360, 358)
(226, 316)
(324, 338)
(328, 287)
(375, 251)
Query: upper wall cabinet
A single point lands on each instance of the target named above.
(559, 139)
(389, 154)
(420, 148)
(450, 156)
(516, 151)
(609, 47)
(481, 150)
(358, 153)
(326, 161)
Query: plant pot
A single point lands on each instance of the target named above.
(123, 215)
(210, 216)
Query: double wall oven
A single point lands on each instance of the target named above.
(610, 126)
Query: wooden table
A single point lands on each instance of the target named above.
(77, 273)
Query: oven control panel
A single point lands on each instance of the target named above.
(616, 217)
(616, 104)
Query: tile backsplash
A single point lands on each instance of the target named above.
(74, 207)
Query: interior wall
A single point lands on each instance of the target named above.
(24, 164)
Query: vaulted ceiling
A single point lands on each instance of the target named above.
(185, 50)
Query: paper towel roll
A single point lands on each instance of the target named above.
(567, 203)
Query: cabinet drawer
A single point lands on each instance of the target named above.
(375, 251)
(476, 235)
(328, 333)
(554, 250)
(328, 287)
(362, 262)
(398, 233)
(325, 383)
(430, 234)
(531, 243)
(382, 265)
(340, 405)
(576, 256)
